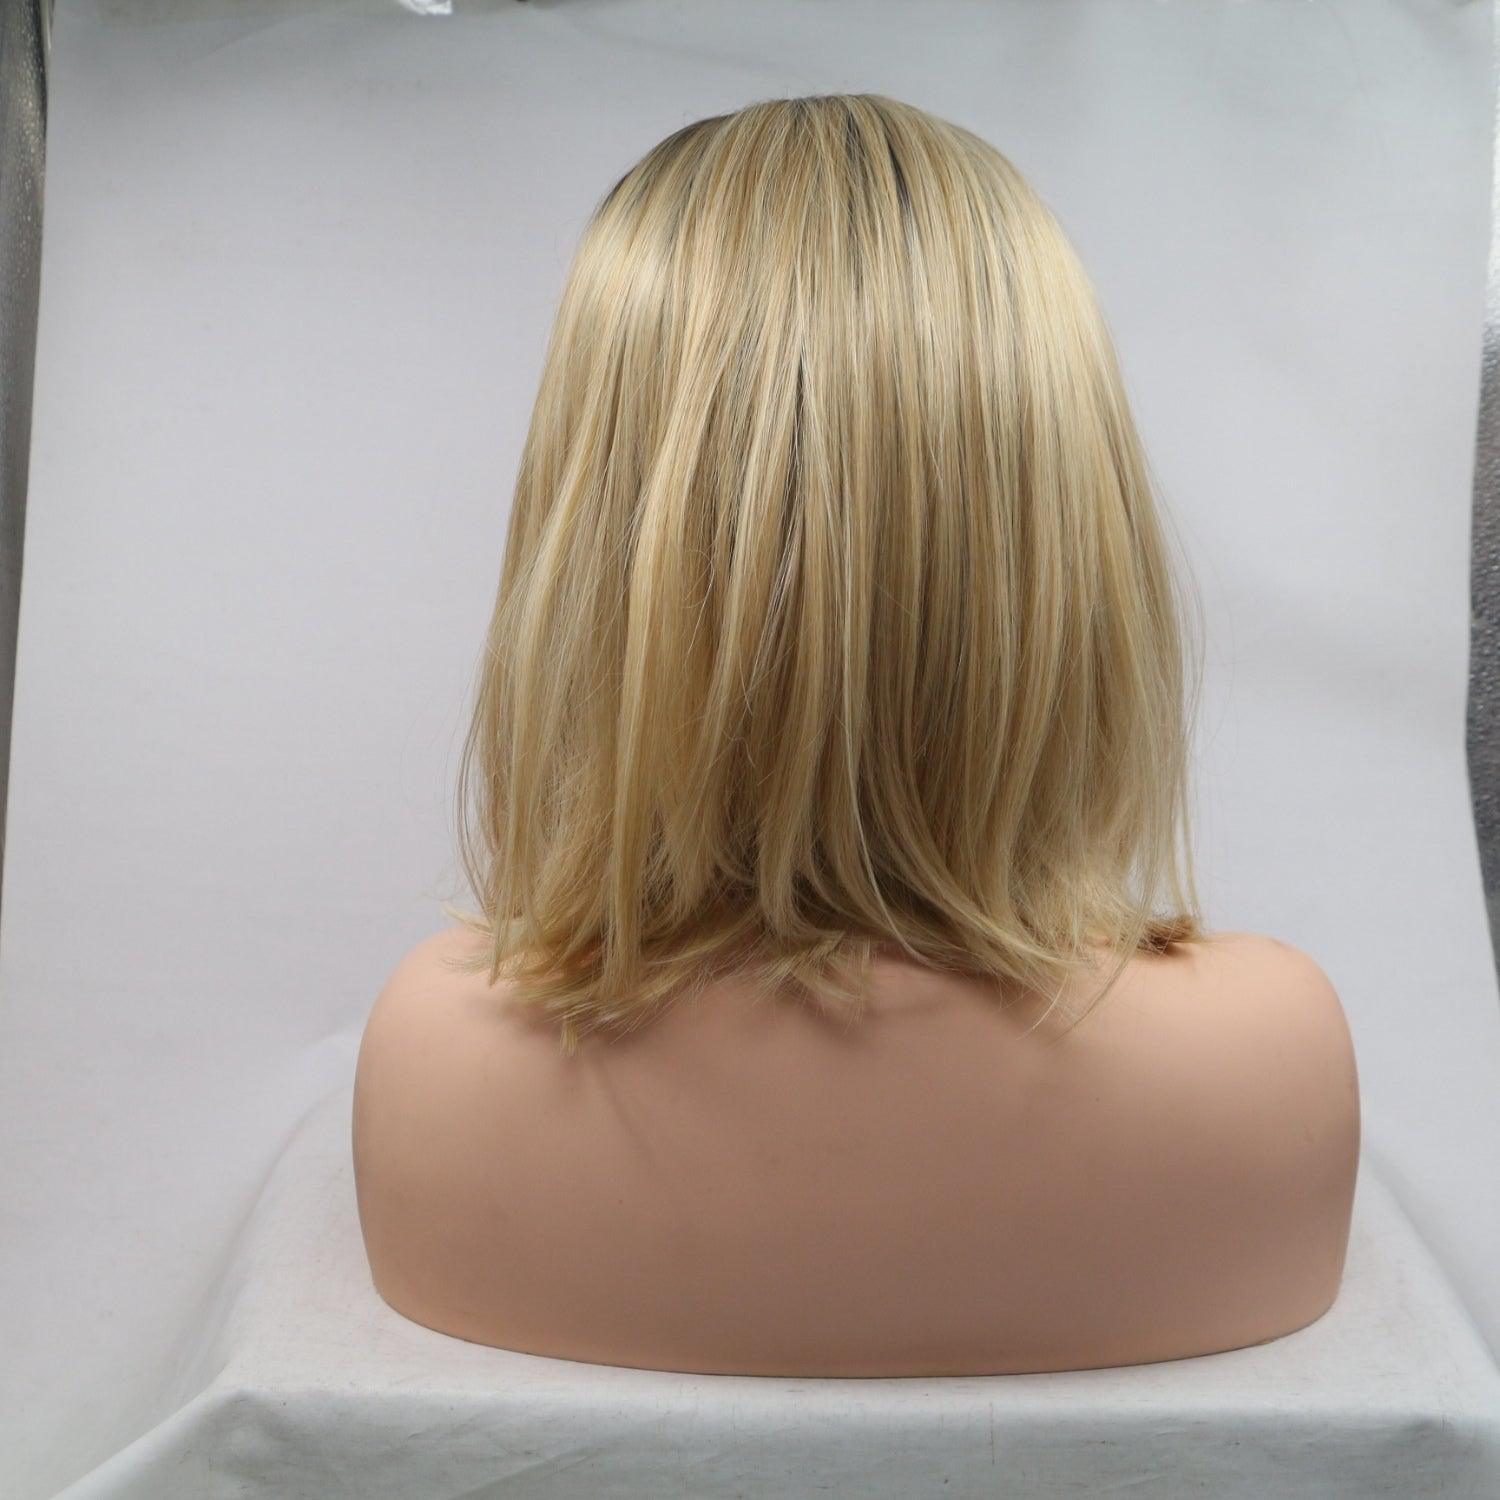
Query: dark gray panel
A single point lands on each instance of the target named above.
(24, 31)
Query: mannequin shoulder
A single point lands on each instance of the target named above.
(1258, 1039)
(1279, 992)
(439, 1030)
(424, 996)
(428, 985)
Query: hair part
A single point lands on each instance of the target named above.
(835, 612)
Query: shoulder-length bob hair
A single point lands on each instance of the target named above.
(835, 613)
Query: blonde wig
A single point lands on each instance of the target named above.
(835, 613)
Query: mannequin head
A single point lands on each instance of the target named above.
(835, 613)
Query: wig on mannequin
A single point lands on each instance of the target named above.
(835, 614)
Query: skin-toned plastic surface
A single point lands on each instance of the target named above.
(745, 1186)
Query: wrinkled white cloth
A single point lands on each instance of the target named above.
(313, 1389)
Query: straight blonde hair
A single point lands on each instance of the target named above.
(835, 613)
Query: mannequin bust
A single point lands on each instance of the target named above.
(837, 1002)
(750, 1188)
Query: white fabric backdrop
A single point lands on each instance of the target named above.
(298, 270)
